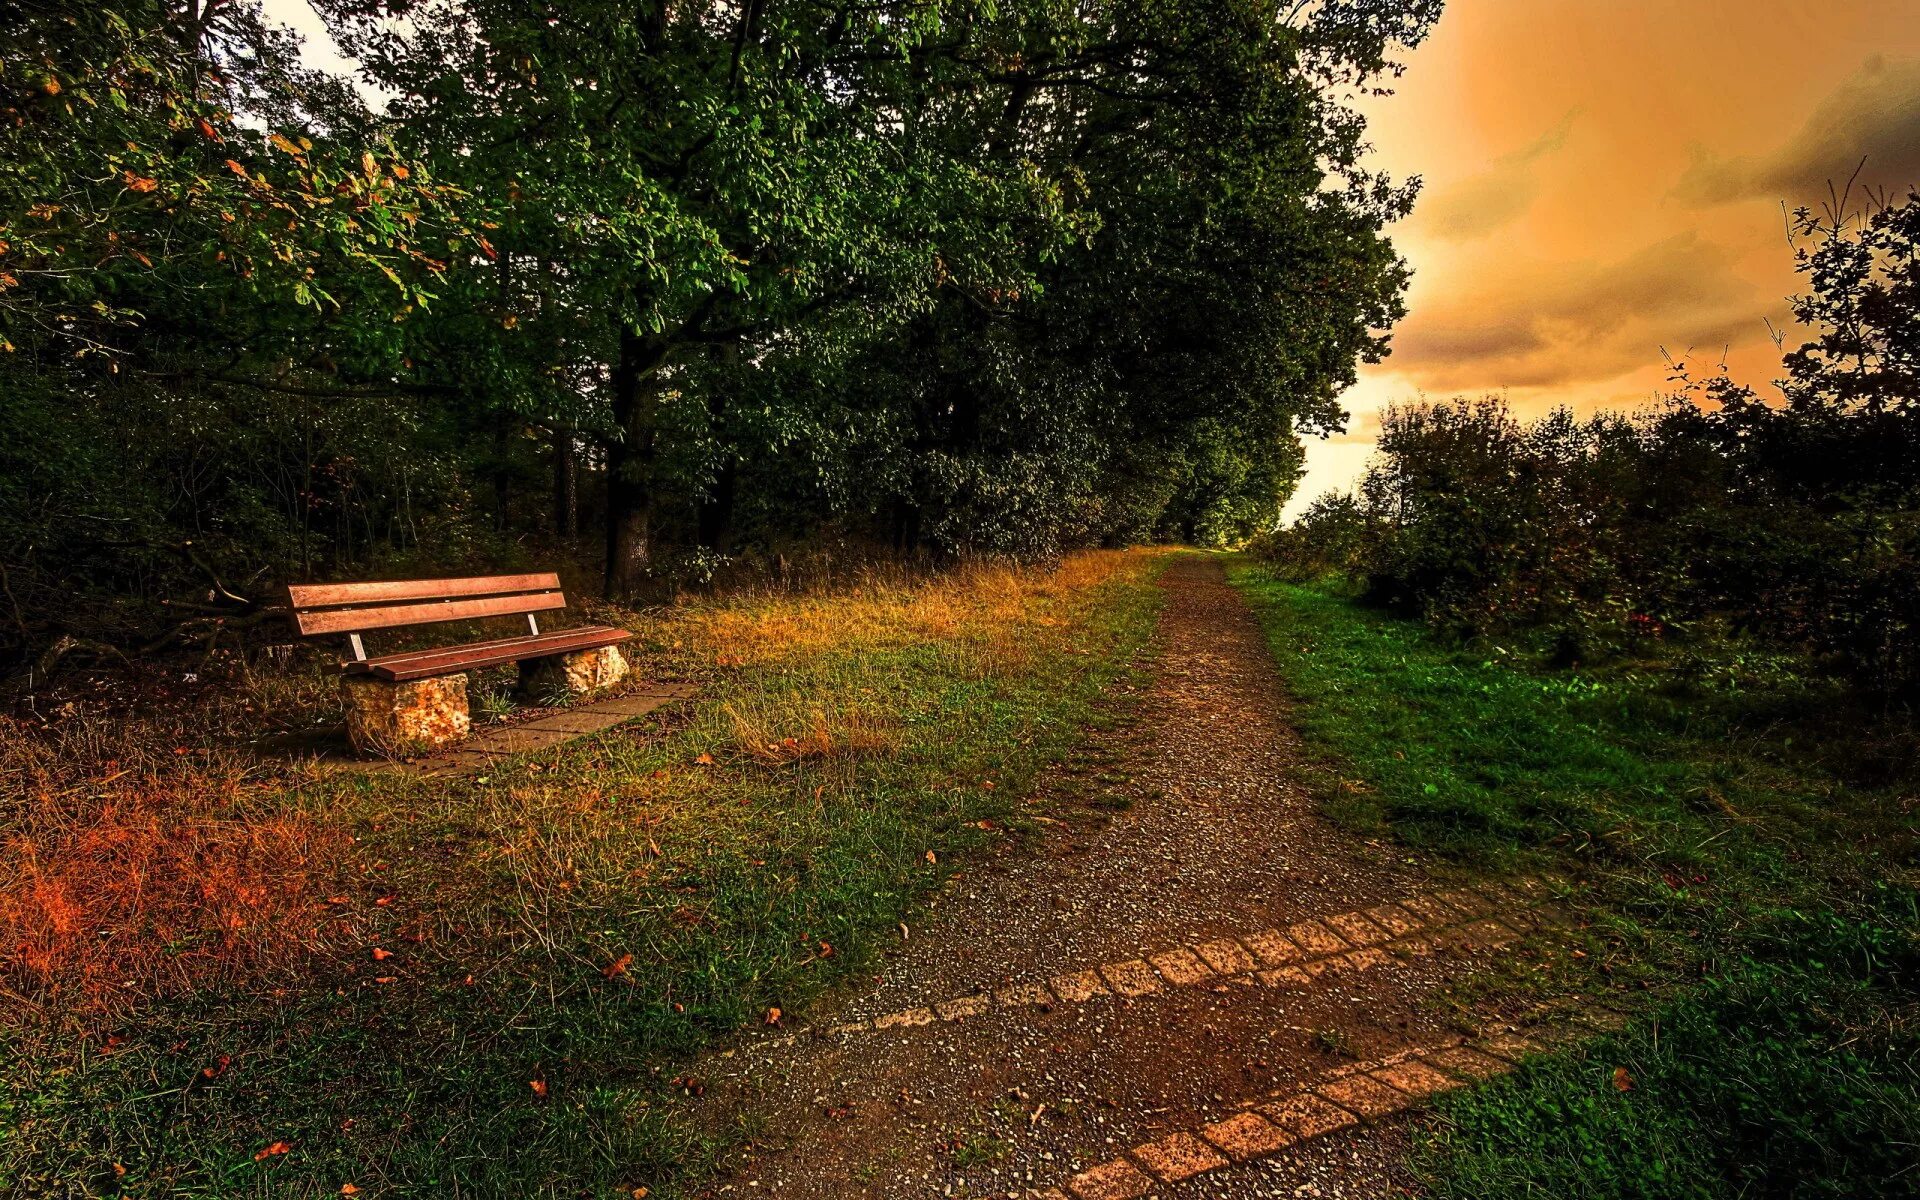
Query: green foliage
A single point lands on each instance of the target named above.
(1771, 1083)
(710, 280)
(1736, 824)
(1713, 514)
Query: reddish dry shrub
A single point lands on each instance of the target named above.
(118, 885)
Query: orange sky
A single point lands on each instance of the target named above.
(1603, 178)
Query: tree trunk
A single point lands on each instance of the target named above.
(566, 484)
(716, 510)
(502, 472)
(636, 395)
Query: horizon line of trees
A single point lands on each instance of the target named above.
(1717, 514)
(694, 279)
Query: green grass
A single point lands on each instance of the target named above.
(724, 871)
(1747, 838)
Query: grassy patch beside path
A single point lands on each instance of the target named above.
(388, 985)
(1748, 837)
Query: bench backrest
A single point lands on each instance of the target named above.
(321, 608)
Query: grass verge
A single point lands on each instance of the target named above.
(484, 986)
(1748, 844)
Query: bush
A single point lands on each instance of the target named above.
(1796, 524)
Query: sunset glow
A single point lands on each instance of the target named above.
(1602, 182)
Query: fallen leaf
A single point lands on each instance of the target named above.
(273, 1151)
(773, 1016)
(932, 857)
(347, 1189)
(617, 967)
(386, 979)
(1622, 1081)
(704, 760)
(380, 955)
(539, 1087)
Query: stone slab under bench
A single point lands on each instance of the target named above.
(487, 747)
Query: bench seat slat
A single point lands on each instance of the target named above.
(519, 644)
(400, 591)
(348, 620)
(424, 664)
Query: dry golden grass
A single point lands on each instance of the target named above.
(134, 862)
(134, 865)
(777, 732)
(989, 607)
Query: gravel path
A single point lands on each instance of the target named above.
(1221, 842)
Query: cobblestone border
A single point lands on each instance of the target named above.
(1358, 1094)
(1486, 917)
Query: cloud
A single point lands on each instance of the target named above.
(1874, 115)
(1579, 322)
(1493, 199)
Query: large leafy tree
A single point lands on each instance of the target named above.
(690, 177)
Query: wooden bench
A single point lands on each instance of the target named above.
(415, 700)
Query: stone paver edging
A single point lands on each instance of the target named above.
(1354, 1095)
(1489, 916)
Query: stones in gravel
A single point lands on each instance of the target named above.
(1392, 918)
(1366, 1096)
(1308, 1116)
(1357, 929)
(1178, 1156)
(1468, 1063)
(1248, 1135)
(1512, 1046)
(1131, 978)
(1286, 977)
(1416, 1078)
(1428, 910)
(1226, 956)
(1315, 938)
(1022, 995)
(1273, 948)
(1180, 966)
(964, 1006)
(1116, 1180)
(1078, 987)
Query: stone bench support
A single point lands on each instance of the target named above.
(575, 674)
(401, 720)
(415, 717)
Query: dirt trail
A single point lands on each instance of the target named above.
(1206, 952)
